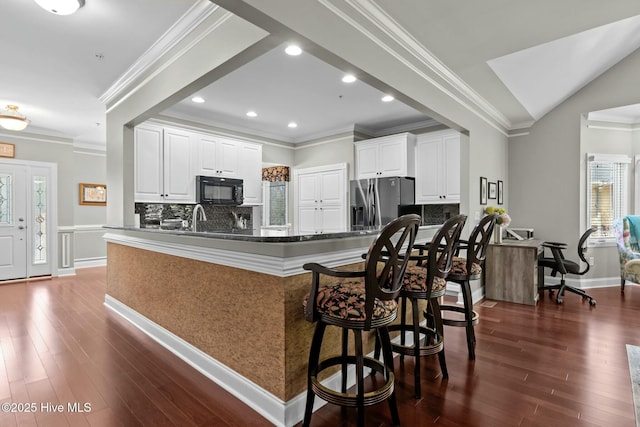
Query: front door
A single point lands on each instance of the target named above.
(13, 222)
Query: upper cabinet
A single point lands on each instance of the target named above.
(167, 160)
(385, 156)
(437, 165)
(163, 171)
(251, 172)
(217, 156)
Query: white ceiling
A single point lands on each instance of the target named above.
(301, 89)
(57, 67)
(543, 76)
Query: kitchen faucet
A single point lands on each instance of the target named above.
(198, 209)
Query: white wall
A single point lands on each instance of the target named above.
(326, 151)
(74, 166)
(546, 189)
(89, 247)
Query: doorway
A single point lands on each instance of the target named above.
(27, 219)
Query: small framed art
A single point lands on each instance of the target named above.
(7, 150)
(93, 194)
(492, 190)
(483, 190)
(500, 192)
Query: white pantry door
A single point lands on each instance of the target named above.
(13, 222)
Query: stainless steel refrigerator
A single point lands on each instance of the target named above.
(378, 201)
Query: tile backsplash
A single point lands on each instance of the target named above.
(437, 214)
(218, 217)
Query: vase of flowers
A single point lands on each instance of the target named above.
(502, 220)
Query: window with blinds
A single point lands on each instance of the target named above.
(607, 191)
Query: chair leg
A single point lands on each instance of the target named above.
(385, 341)
(416, 348)
(468, 317)
(345, 348)
(314, 357)
(622, 282)
(359, 376)
(434, 308)
(403, 323)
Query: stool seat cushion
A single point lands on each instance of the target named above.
(345, 300)
(459, 268)
(415, 279)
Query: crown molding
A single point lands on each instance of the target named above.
(454, 86)
(37, 137)
(178, 31)
(409, 127)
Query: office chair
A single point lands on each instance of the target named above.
(558, 264)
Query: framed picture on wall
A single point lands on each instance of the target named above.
(483, 190)
(492, 190)
(93, 194)
(500, 192)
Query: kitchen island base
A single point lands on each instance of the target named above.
(243, 329)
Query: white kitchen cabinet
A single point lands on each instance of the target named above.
(217, 156)
(321, 199)
(251, 172)
(437, 166)
(385, 156)
(163, 171)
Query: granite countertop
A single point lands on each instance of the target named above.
(257, 235)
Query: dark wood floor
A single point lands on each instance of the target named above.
(548, 365)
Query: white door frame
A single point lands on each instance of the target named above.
(52, 213)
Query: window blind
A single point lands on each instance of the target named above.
(607, 191)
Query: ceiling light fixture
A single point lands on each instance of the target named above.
(252, 114)
(292, 125)
(12, 119)
(60, 7)
(198, 99)
(293, 50)
(349, 78)
(387, 98)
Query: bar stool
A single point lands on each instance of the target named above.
(361, 301)
(463, 271)
(427, 281)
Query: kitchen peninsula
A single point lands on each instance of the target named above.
(230, 304)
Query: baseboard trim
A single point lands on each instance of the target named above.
(602, 282)
(67, 271)
(90, 262)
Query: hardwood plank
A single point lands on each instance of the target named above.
(536, 366)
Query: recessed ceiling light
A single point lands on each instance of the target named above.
(252, 114)
(61, 7)
(387, 98)
(349, 78)
(198, 99)
(293, 50)
(292, 125)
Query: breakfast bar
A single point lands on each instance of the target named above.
(230, 304)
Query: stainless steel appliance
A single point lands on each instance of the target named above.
(219, 191)
(377, 201)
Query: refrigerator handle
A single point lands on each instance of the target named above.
(368, 203)
(377, 216)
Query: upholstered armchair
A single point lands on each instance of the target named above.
(628, 249)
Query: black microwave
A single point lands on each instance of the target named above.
(219, 191)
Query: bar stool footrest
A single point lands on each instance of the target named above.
(335, 397)
(425, 350)
(457, 322)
